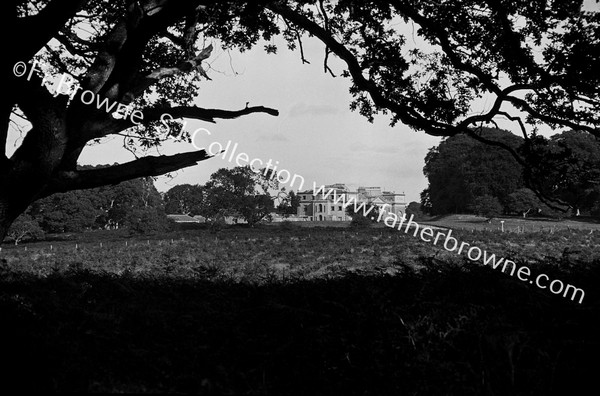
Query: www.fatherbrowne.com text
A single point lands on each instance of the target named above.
(451, 244)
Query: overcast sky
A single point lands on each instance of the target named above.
(315, 136)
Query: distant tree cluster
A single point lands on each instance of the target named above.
(467, 176)
(239, 192)
(134, 204)
(137, 206)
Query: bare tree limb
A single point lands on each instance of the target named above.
(517, 119)
(299, 40)
(147, 166)
(326, 67)
(154, 114)
(208, 115)
(524, 106)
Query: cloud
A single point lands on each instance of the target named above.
(369, 149)
(302, 109)
(273, 138)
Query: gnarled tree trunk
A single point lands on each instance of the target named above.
(62, 122)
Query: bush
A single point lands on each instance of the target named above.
(287, 225)
(487, 206)
(414, 209)
(25, 227)
(217, 224)
(359, 221)
(147, 220)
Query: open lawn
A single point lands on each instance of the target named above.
(512, 224)
(297, 310)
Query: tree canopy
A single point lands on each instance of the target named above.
(460, 170)
(133, 204)
(129, 63)
(185, 199)
(240, 192)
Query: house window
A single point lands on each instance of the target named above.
(333, 208)
(340, 208)
(320, 208)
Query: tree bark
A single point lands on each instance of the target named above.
(7, 215)
(46, 161)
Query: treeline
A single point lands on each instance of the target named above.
(138, 207)
(239, 192)
(467, 176)
(135, 205)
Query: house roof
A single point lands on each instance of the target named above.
(182, 218)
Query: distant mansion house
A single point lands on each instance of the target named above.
(318, 208)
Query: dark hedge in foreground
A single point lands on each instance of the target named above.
(445, 330)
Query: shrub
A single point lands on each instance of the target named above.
(25, 227)
(146, 220)
(359, 221)
(287, 225)
(487, 206)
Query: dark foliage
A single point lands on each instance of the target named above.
(447, 329)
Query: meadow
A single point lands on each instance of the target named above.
(294, 310)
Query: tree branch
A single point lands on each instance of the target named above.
(444, 42)
(521, 104)
(208, 115)
(163, 72)
(198, 113)
(405, 113)
(517, 119)
(68, 39)
(45, 25)
(326, 67)
(147, 166)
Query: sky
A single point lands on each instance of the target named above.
(316, 136)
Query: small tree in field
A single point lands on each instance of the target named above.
(414, 209)
(487, 206)
(146, 221)
(240, 191)
(288, 203)
(25, 227)
(524, 201)
(363, 217)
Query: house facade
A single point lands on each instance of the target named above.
(320, 208)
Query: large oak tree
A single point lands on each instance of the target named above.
(533, 61)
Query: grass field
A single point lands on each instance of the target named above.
(513, 224)
(298, 310)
